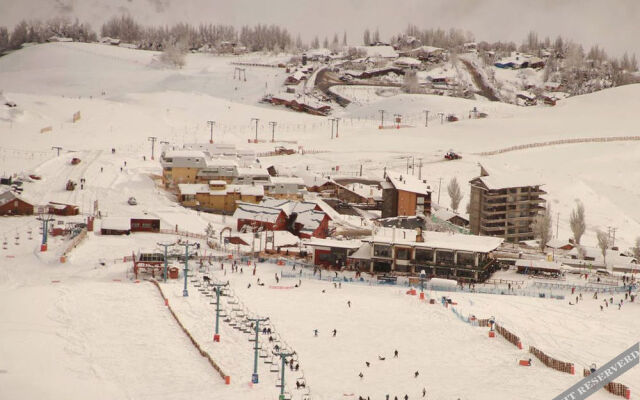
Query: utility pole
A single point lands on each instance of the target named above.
(211, 124)
(332, 119)
(254, 377)
(185, 292)
(441, 117)
(273, 130)
(381, 119)
(420, 168)
(426, 118)
(413, 165)
(256, 119)
(166, 246)
(152, 139)
(283, 356)
(45, 219)
(218, 289)
(337, 124)
(439, 185)
(557, 224)
(56, 148)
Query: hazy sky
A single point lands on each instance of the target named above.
(613, 24)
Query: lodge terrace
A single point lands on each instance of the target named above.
(461, 257)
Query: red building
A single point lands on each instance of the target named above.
(253, 217)
(62, 209)
(145, 224)
(10, 204)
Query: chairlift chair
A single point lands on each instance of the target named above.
(286, 396)
(262, 353)
(275, 367)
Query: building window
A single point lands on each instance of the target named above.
(444, 257)
(403, 254)
(424, 255)
(466, 259)
(380, 250)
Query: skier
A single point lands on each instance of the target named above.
(416, 374)
(424, 392)
(406, 397)
(367, 364)
(334, 333)
(315, 332)
(349, 303)
(395, 354)
(360, 375)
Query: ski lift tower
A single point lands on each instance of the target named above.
(185, 292)
(218, 289)
(254, 377)
(283, 356)
(166, 246)
(45, 219)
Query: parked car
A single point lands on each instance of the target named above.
(75, 161)
(132, 201)
(451, 155)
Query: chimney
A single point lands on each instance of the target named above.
(419, 237)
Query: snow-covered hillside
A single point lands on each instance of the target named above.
(116, 339)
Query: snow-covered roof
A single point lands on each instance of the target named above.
(252, 172)
(116, 223)
(540, 264)
(379, 51)
(339, 244)
(558, 243)
(184, 154)
(256, 212)
(446, 215)
(246, 190)
(410, 183)
(313, 180)
(363, 253)
(190, 189)
(6, 197)
(287, 180)
(439, 240)
(369, 191)
(407, 61)
(221, 162)
(429, 49)
(323, 52)
(504, 181)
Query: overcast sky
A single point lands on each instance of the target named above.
(611, 23)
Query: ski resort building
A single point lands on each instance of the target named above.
(462, 257)
(10, 204)
(303, 219)
(218, 196)
(505, 206)
(406, 195)
(285, 187)
(181, 166)
(332, 253)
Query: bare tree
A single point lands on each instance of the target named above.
(542, 228)
(603, 244)
(366, 37)
(410, 82)
(577, 222)
(636, 249)
(455, 194)
(174, 55)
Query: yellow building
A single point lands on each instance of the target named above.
(218, 196)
